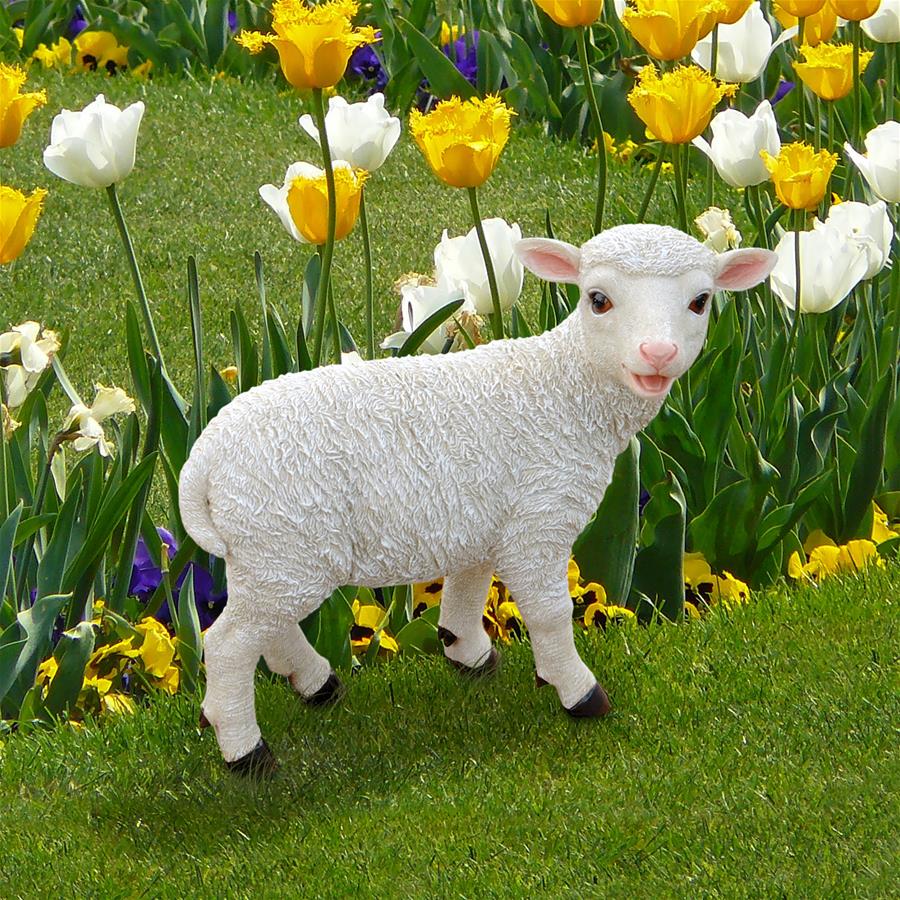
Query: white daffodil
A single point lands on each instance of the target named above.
(25, 352)
(880, 165)
(417, 302)
(363, 134)
(87, 421)
(867, 225)
(830, 267)
(718, 230)
(737, 141)
(459, 261)
(884, 25)
(96, 146)
(744, 48)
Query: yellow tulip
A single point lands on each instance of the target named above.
(570, 13)
(670, 29)
(800, 174)
(314, 43)
(15, 107)
(818, 26)
(18, 216)
(856, 10)
(678, 105)
(100, 50)
(734, 10)
(307, 201)
(828, 69)
(800, 8)
(462, 140)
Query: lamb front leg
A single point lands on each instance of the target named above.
(542, 596)
(461, 630)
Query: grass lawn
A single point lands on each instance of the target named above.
(752, 754)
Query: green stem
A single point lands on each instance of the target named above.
(653, 179)
(36, 508)
(598, 126)
(801, 104)
(328, 252)
(795, 327)
(335, 327)
(710, 169)
(135, 274)
(890, 59)
(856, 31)
(681, 185)
(497, 317)
(817, 134)
(370, 297)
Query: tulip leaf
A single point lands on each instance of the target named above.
(215, 30)
(189, 643)
(605, 549)
(419, 636)
(245, 355)
(444, 79)
(219, 395)
(72, 654)
(328, 628)
(7, 540)
(137, 358)
(423, 331)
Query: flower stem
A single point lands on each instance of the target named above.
(681, 185)
(370, 299)
(335, 326)
(856, 31)
(795, 327)
(598, 126)
(497, 317)
(328, 252)
(890, 57)
(710, 169)
(801, 105)
(653, 179)
(135, 274)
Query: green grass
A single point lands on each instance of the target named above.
(751, 754)
(203, 151)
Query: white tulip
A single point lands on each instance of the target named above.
(361, 133)
(417, 303)
(736, 143)
(96, 146)
(884, 25)
(718, 229)
(868, 226)
(87, 421)
(744, 48)
(881, 163)
(830, 267)
(459, 260)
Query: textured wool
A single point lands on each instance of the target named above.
(458, 465)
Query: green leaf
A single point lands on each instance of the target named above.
(37, 622)
(419, 636)
(424, 330)
(199, 402)
(189, 643)
(137, 358)
(444, 79)
(72, 653)
(7, 540)
(605, 550)
(328, 628)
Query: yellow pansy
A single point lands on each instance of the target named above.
(56, 56)
(702, 584)
(47, 671)
(827, 69)
(573, 575)
(170, 680)
(19, 35)
(800, 174)
(116, 703)
(501, 617)
(856, 10)
(571, 13)
(827, 559)
(426, 595)
(307, 201)
(450, 33)
(100, 50)
(462, 140)
(18, 216)
(881, 529)
(603, 614)
(817, 538)
(157, 650)
(97, 683)
(817, 27)
(143, 70)
(676, 106)
(368, 619)
(15, 107)
(670, 29)
(314, 43)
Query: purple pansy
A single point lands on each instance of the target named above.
(365, 64)
(78, 22)
(233, 21)
(784, 88)
(463, 53)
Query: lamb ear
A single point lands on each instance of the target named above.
(738, 270)
(549, 259)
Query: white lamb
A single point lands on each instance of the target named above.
(461, 465)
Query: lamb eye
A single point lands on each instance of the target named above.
(600, 303)
(698, 304)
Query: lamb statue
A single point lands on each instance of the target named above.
(458, 465)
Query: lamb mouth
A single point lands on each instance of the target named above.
(651, 385)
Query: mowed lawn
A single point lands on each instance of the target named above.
(748, 755)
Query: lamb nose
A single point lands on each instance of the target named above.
(658, 353)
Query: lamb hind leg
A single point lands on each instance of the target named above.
(232, 648)
(542, 596)
(466, 643)
(289, 653)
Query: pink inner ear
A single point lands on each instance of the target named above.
(746, 269)
(552, 266)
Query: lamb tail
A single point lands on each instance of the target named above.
(192, 499)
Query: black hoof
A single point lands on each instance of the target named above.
(258, 763)
(592, 706)
(330, 692)
(204, 722)
(488, 667)
(446, 636)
